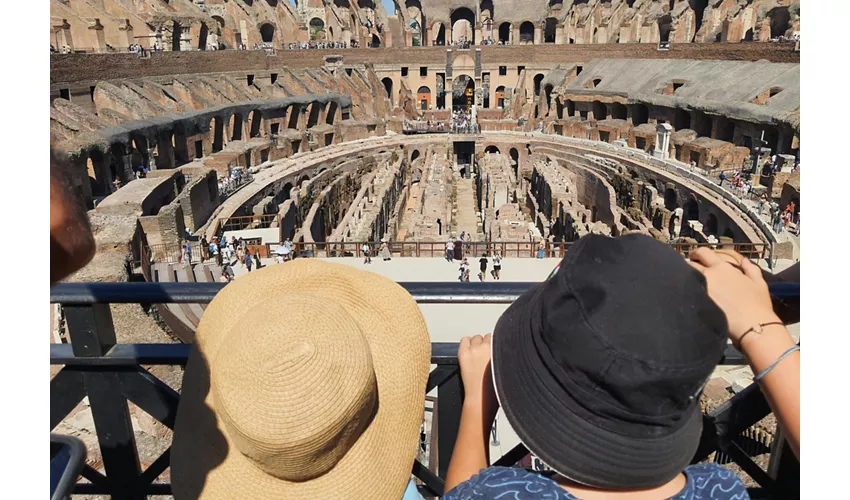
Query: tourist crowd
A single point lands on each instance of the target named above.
(462, 123)
(229, 183)
(321, 45)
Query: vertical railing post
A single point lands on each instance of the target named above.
(93, 335)
(784, 468)
(450, 397)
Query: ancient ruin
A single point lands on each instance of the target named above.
(338, 123)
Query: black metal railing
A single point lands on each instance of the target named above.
(112, 374)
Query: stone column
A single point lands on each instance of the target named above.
(151, 159)
(165, 151)
(662, 140)
(125, 168)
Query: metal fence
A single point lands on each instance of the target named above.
(112, 374)
(507, 249)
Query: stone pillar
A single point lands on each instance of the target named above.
(677, 224)
(151, 159)
(662, 140)
(165, 152)
(538, 33)
(125, 168)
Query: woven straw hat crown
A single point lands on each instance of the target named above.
(295, 389)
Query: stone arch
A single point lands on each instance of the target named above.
(423, 97)
(376, 41)
(317, 26)
(691, 210)
(302, 180)
(505, 32)
(463, 25)
(236, 127)
(547, 92)
(202, 37)
(218, 134)
(711, 224)
(486, 9)
(526, 32)
(538, 78)
(414, 155)
(285, 192)
(440, 36)
(681, 119)
(492, 149)
(176, 31)
(514, 154)
(571, 108)
(665, 26)
(388, 86)
(670, 198)
(599, 110)
(618, 111)
(780, 21)
(333, 107)
(549, 30)
(559, 108)
(256, 123)
(267, 32)
(500, 96)
(640, 114)
(463, 88)
(315, 111)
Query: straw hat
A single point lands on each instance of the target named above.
(305, 381)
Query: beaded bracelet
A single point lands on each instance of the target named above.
(763, 373)
(759, 329)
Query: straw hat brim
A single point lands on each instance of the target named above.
(204, 461)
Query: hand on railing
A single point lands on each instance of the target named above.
(738, 287)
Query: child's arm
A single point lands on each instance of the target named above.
(471, 453)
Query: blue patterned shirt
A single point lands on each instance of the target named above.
(705, 482)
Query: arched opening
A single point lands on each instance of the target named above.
(526, 32)
(492, 150)
(500, 96)
(547, 92)
(202, 37)
(302, 180)
(236, 128)
(681, 119)
(599, 110)
(463, 23)
(256, 123)
(463, 92)
(780, 21)
(559, 108)
(218, 134)
(486, 9)
(416, 33)
(285, 193)
(618, 111)
(332, 110)
(640, 114)
(571, 108)
(440, 38)
(515, 162)
(267, 33)
(670, 201)
(698, 6)
(315, 110)
(423, 97)
(175, 36)
(317, 26)
(665, 26)
(414, 155)
(537, 79)
(549, 30)
(711, 225)
(729, 233)
(505, 32)
(388, 86)
(376, 41)
(691, 210)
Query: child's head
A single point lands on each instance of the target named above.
(599, 369)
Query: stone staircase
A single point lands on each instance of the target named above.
(464, 218)
(183, 319)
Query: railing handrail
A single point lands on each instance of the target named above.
(422, 292)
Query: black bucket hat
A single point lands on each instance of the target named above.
(599, 369)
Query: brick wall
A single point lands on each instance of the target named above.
(85, 68)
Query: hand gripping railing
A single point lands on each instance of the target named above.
(111, 374)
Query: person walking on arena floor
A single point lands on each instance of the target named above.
(497, 266)
(482, 265)
(367, 253)
(450, 251)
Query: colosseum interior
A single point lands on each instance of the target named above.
(341, 122)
